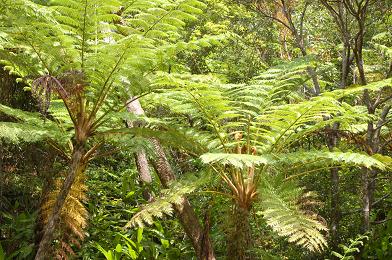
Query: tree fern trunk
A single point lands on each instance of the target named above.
(240, 239)
(187, 216)
(76, 166)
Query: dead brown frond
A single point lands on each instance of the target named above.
(74, 217)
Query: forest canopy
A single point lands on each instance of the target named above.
(195, 129)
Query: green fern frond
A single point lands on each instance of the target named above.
(17, 133)
(280, 205)
(243, 161)
(163, 205)
(332, 158)
(170, 137)
(357, 89)
(30, 127)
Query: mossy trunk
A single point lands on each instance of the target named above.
(239, 244)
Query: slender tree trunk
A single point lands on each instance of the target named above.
(374, 146)
(315, 81)
(240, 238)
(345, 65)
(359, 62)
(140, 156)
(298, 34)
(366, 193)
(366, 200)
(332, 142)
(334, 172)
(312, 73)
(366, 179)
(188, 219)
(358, 48)
(77, 165)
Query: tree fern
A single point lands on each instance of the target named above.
(254, 128)
(91, 55)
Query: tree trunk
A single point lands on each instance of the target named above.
(311, 72)
(315, 81)
(298, 35)
(345, 65)
(374, 146)
(239, 239)
(366, 200)
(141, 160)
(332, 142)
(77, 165)
(188, 219)
(359, 63)
(358, 49)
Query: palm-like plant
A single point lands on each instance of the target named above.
(251, 133)
(92, 55)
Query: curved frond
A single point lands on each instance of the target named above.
(283, 205)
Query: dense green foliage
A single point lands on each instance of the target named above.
(195, 129)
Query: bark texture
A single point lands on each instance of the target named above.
(374, 145)
(240, 239)
(141, 159)
(187, 216)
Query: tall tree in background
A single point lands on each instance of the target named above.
(282, 12)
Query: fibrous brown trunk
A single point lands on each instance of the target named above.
(239, 239)
(77, 165)
(184, 211)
